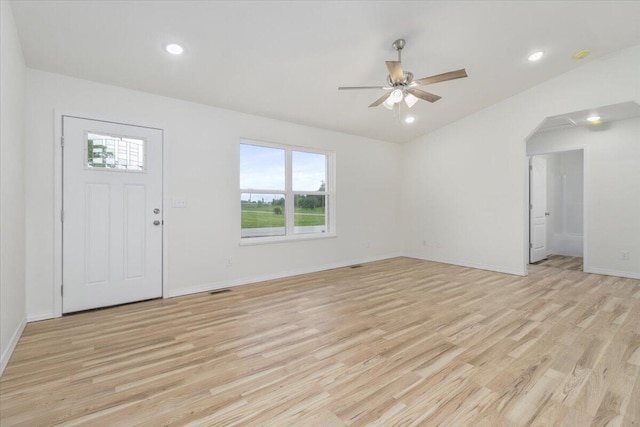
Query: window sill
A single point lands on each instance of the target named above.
(253, 241)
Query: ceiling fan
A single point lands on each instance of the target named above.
(401, 85)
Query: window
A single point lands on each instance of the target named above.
(285, 192)
(107, 152)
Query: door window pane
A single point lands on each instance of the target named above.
(262, 215)
(261, 167)
(107, 152)
(309, 171)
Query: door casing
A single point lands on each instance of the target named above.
(585, 195)
(58, 132)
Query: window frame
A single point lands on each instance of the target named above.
(289, 194)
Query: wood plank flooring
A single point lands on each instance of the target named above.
(396, 342)
(562, 262)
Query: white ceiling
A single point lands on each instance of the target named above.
(285, 60)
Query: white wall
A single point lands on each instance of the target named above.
(612, 181)
(465, 185)
(203, 168)
(12, 226)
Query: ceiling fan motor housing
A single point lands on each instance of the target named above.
(408, 78)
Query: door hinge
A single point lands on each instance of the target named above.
(61, 216)
(530, 206)
(61, 290)
(62, 141)
(530, 245)
(530, 167)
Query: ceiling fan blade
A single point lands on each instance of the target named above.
(451, 75)
(395, 71)
(380, 100)
(423, 95)
(362, 87)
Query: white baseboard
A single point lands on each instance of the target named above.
(41, 316)
(4, 359)
(249, 280)
(495, 268)
(618, 273)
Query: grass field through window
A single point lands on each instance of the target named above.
(263, 215)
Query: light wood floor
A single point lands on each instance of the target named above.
(562, 262)
(397, 342)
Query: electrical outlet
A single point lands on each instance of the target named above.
(624, 255)
(228, 262)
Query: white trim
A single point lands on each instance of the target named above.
(4, 359)
(166, 204)
(487, 267)
(284, 239)
(250, 280)
(585, 196)
(608, 272)
(59, 114)
(527, 211)
(57, 211)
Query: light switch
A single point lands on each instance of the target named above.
(178, 202)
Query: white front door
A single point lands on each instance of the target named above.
(538, 209)
(112, 214)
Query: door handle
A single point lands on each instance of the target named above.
(547, 214)
(156, 222)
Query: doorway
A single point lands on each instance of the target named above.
(556, 205)
(112, 217)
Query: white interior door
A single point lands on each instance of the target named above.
(538, 209)
(112, 218)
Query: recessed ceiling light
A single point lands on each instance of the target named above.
(409, 119)
(593, 119)
(536, 56)
(174, 49)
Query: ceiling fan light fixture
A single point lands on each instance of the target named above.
(410, 100)
(388, 104)
(396, 96)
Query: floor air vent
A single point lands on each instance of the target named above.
(355, 266)
(219, 291)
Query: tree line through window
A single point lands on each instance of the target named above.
(283, 191)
